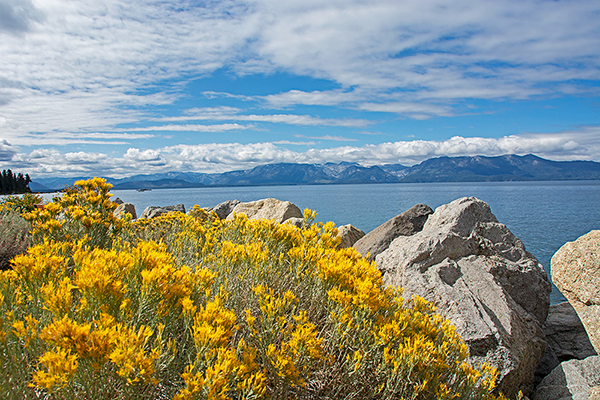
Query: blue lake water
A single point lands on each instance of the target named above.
(544, 215)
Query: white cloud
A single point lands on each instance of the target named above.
(88, 66)
(294, 143)
(328, 137)
(7, 152)
(79, 72)
(193, 128)
(315, 97)
(69, 138)
(17, 16)
(578, 143)
(144, 155)
(232, 114)
(412, 110)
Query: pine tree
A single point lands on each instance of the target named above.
(11, 183)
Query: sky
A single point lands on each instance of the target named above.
(116, 88)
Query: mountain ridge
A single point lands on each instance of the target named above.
(440, 169)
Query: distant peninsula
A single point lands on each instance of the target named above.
(441, 169)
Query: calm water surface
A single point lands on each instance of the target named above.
(544, 215)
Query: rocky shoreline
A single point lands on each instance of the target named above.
(479, 275)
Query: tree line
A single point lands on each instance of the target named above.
(14, 183)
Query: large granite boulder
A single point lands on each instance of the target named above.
(273, 209)
(405, 224)
(153, 211)
(479, 275)
(125, 208)
(576, 273)
(349, 234)
(225, 208)
(572, 380)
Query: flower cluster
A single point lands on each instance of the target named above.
(194, 307)
(81, 211)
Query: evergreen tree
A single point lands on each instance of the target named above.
(11, 183)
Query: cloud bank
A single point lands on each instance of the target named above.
(213, 157)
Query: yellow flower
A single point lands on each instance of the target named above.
(130, 356)
(42, 262)
(189, 309)
(60, 366)
(26, 330)
(100, 274)
(213, 325)
(58, 298)
(67, 334)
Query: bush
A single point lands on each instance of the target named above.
(82, 212)
(24, 203)
(14, 236)
(193, 307)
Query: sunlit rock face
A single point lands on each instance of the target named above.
(480, 277)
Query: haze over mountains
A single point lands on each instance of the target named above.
(442, 169)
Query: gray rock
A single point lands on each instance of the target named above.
(565, 333)
(566, 338)
(153, 211)
(349, 235)
(576, 273)
(297, 222)
(272, 209)
(125, 208)
(225, 208)
(571, 380)
(479, 275)
(405, 224)
(118, 201)
(547, 364)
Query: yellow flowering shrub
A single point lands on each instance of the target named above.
(81, 211)
(194, 307)
(25, 202)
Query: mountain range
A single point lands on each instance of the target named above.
(442, 169)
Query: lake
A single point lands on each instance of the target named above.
(544, 215)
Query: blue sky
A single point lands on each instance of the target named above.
(115, 88)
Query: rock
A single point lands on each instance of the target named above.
(153, 211)
(566, 338)
(479, 275)
(297, 222)
(565, 333)
(349, 235)
(125, 208)
(576, 273)
(225, 208)
(405, 224)
(547, 364)
(273, 209)
(118, 201)
(574, 379)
